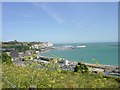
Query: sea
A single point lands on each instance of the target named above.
(101, 53)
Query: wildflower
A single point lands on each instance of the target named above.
(105, 79)
(53, 81)
(95, 79)
(49, 85)
(61, 77)
(102, 84)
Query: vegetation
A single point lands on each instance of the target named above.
(20, 48)
(49, 76)
(5, 58)
(12, 42)
(81, 68)
(22, 43)
(25, 77)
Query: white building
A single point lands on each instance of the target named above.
(65, 62)
(49, 44)
(35, 46)
(43, 45)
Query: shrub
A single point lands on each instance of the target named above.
(81, 68)
(6, 58)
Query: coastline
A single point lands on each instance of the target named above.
(88, 64)
(106, 69)
(103, 53)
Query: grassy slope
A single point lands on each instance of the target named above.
(26, 77)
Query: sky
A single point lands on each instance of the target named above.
(60, 22)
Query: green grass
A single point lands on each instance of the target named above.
(23, 77)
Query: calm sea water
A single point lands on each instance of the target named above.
(103, 53)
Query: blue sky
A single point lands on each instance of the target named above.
(60, 22)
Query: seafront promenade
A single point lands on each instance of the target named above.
(96, 68)
(107, 69)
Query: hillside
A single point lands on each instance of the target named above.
(23, 77)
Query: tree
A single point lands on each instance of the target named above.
(81, 68)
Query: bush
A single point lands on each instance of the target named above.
(20, 48)
(81, 68)
(6, 58)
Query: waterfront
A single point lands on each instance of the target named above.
(103, 53)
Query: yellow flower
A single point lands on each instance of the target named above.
(61, 77)
(103, 85)
(49, 85)
(95, 79)
(105, 79)
(53, 81)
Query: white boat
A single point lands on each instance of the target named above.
(81, 46)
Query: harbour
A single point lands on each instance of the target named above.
(102, 53)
